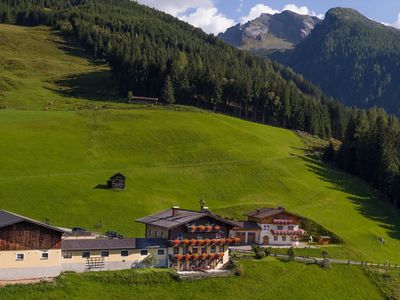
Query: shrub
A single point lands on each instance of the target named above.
(258, 252)
(291, 253)
(267, 251)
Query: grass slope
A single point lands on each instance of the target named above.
(51, 161)
(263, 280)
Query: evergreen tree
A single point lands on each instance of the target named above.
(167, 95)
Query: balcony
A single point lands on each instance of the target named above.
(206, 242)
(203, 228)
(299, 232)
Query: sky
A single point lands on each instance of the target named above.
(215, 16)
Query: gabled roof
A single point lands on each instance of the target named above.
(8, 218)
(265, 212)
(118, 175)
(175, 217)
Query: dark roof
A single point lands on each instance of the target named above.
(98, 244)
(113, 244)
(166, 219)
(265, 212)
(117, 175)
(144, 98)
(146, 243)
(8, 218)
(247, 225)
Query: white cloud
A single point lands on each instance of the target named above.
(397, 23)
(176, 7)
(258, 9)
(209, 19)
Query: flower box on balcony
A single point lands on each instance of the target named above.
(175, 243)
(192, 228)
(207, 241)
(179, 257)
(200, 242)
(214, 241)
(201, 227)
(185, 242)
(204, 256)
(195, 256)
(220, 255)
(211, 255)
(236, 240)
(229, 241)
(222, 241)
(208, 228)
(187, 256)
(217, 227)
(193, 242)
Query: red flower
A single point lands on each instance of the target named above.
(207, 241)
(176, 242)
(195, 256)
(193, 242)
(217, 227)
(179, 256)
(193, 228)
(204, 256)
(201, 227)
(237, 240)
(211, 255)
(214, 241)
(200, 242)
(187, 256)
(209, 228)
(221, 255)
(229, 240)
(186, 242)
(222, 241)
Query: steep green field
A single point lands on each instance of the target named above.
(54, 163)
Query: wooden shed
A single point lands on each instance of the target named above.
(117, 181)
(325, 239)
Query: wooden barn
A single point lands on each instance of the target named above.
(117, 182)
(28, 248)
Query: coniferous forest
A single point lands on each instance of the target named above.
(153, 54)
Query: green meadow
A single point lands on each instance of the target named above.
(63, 133)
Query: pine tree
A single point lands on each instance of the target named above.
(167, 95)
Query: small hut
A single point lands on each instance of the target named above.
(117, 181)
(142, 100)
(325, 240)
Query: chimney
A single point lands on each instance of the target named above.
(175, 210)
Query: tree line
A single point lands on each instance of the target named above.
(153, 54)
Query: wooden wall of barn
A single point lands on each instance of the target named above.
(26, 236)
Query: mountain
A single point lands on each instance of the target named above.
(353, 59)
(271, 32)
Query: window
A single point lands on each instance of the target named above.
(180, 236)
(156, 233)
(150, 231)
(185, 250)
(162, 234)
(204, 250)
(200, 236)
(275, 237)
(284, 238)
(85, 254)
(143, 252)
(265, 227)
(213, 249)
(105, 254)
(290, 227)
(67, 254)
(221, 249)
(195, 250)
(280, 227)
(160, 252)
(45, 255)
(124, 253)
(20, 256)
(176, 250)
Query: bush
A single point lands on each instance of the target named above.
(258, 252)
(267, 251)
(291, 253)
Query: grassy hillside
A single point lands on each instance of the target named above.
(54, 162)
(267, 279)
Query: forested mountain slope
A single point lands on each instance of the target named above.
(352, 59)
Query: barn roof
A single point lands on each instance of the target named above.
(113, 244)
(8, 218)
(247, 225)
(175, 217)
(117, 175)
(265, 212)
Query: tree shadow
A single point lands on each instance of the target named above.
(95, 86)
(368, 202)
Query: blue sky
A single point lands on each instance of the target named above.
(214, 16)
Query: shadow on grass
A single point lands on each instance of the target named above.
(368, 203)
(95, 86)
(101, 187)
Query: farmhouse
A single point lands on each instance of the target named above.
(198, 239)
(269, 226)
